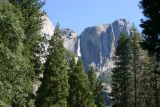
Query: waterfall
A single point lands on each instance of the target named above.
(78, 50)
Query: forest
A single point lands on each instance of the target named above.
(65, 82)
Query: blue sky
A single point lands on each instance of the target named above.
(79, 14)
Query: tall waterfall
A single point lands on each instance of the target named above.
(78, 49)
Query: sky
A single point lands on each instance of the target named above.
(79, 14)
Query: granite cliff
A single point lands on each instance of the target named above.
(95, 45)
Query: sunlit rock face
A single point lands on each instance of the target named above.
(69, 36)
(47, 32)
(69, 39)
(47, 27)
(97, 43)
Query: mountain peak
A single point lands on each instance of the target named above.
(96, 44)
(69, 33)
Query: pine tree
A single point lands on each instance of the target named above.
(121, 78)
(151, 24)
(31, 23)
(71, 98)
(79, 93)
(141, 72)
(99, 100)
(145, 80)
(11, 32)
(53, 91)
(92, 79)
(95, 88)
(14, 67)
(151, 33)
(136, 62)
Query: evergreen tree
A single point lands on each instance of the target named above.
(71, 98)
(92, 79)
(11, 32)
(95, 87)
(141, 72)
(145, 80)
(151, 31)
(15, 84)
(99, 100)
(151, 24)
(31, 23)
(53, 91)
(121, 78)
(79, 93)
(136, 65)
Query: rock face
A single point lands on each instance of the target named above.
(47, 32)
(69, 39)
(95, 45)
(98, 43)
(47, 28)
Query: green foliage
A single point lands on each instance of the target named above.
(92, 79)
(145, 80)
(53, 91)
(79, 93)
(136, 63)
(135, 79)
(31, 22)
(106, 77)
(150, 24)
(95, 88)
(17, 71)
(121, 78)
(141, 79)
(151, 31)
(99, 100)
(11, 32)
(15, 77)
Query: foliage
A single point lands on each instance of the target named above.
(121, 78)
(16, 68)
(79, 93)
(150, 24)
(53, 91)
(92, 79)
(95, 87)
(151, 31)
